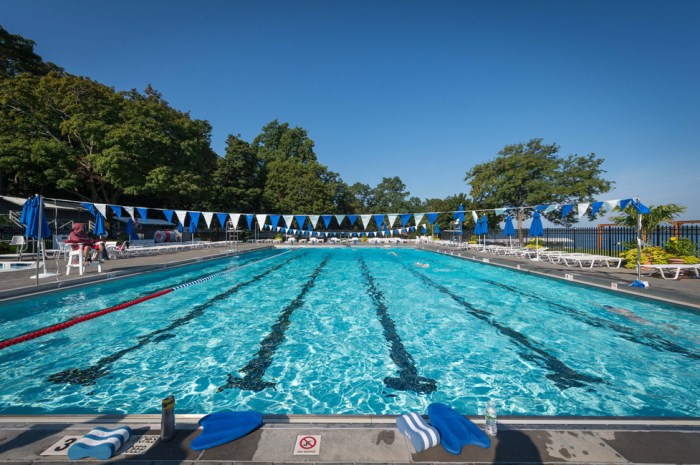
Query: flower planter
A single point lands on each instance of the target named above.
(676, 261)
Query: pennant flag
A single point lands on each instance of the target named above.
(500, 211)
(365, 220)
(102, 208)
(221, 217)
(194, 219)
(565, 210)
(249, 218)
(551, 208)
(582, 207)
(405, 218)
(168, 215)
(339, 219)
(610, 204)
(641, 208)
(352, 219)
(89, 207)
(235, 217)
(130, 211)
(117, 210)
(208, 217)
(301, 219)
(432, 217)
(418, 217)
(274, 220)
(379, 219)
(142, 211)
(288, 220)
(540, 208)
(624, 203)
(261, 220)
(181, 216)
(595, 206)
(313, 219)
(326, 220)
(475, 216)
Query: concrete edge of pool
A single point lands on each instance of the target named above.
(358, 439)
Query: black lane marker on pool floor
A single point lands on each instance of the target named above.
(90, 375)
(651, 340)
(255, 369)
(408, 379)
(560, 374)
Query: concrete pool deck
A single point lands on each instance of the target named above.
(365, 439)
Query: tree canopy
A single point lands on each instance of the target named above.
(532, 174)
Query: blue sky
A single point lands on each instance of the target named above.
(423, 90)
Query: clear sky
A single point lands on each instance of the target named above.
(423, 90)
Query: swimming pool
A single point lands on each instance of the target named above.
(351, 330)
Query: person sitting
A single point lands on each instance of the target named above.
(79, 236)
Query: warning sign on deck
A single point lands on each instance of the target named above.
(307, 444)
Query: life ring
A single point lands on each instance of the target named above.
(159, 236)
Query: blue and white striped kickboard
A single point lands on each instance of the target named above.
(422, 435)
(100, 443)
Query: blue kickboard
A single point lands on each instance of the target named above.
(456, 431)
(222, 427)
(100, 443)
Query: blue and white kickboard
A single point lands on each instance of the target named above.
(422, 435)
(100, 443)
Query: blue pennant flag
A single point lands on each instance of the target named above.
(405, 218)
(432, 217)
(89, 207)
(595, 206)
(143, 211)
(194, 219)
(565, 210)
(222, 219)
(249, 218)
(326, 220)
(624, 203)
(117, 210)
(274, 220)
(301, 219)
(379, 219)
(168, 215)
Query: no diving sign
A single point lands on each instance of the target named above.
(307, 444)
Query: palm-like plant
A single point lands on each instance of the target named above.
(658, 214)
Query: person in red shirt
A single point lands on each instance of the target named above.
(79, 236)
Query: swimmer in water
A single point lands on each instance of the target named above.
(422, 265)
(394, 254)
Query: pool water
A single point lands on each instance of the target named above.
(351, 331)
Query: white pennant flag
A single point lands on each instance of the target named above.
(207, 218)
(102, 208)
(392, 218)
(418, 217)
(582, 207)
(288, 220)
(475, 216)
(234, 217)
(500, 211)
(314, 220)
(365, 220)
(181, 215)
(261, 220)
(610, 204)
(551, 208)
(340, 218)
(130, 211)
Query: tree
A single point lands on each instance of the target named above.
(657, 215)
(532, 174)
(237, 179)
(17, 56)
(389, 196)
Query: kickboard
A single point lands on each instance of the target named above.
(222, 427)
(456, 431)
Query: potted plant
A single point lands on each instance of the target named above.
(681, 250)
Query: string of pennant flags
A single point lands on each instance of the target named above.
(386, 223)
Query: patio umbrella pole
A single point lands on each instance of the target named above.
(639, 247)
(38, 236)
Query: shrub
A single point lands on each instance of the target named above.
(682, 247)
(652, 255)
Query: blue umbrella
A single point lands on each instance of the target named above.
(509, 230)
(180, 228)
(130, 230)
(99, 229)
(23, 216)
(536, 231)
(34, 220)
(437, 229)
(193, 227)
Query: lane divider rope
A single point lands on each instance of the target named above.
(89, 316)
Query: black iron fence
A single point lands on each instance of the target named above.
(611, 240)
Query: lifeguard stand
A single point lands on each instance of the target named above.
(232, 234)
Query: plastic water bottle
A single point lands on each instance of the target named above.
(491, 418)
(167, 419)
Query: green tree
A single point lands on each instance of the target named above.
(532, 174)
(17, 56)
(389, 196)
(237, 179)
(657, 214)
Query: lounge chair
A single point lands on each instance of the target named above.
(21, 243)
(674, 270)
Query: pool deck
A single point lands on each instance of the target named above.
(364, 439)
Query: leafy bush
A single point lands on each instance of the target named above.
(682, 247)
(651, 255)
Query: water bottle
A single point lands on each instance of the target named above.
(167, 419)
(491, 416)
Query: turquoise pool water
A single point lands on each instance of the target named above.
(352, 330)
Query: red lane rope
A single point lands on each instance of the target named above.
(67, 324)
